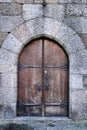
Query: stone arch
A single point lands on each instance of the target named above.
(35, 28)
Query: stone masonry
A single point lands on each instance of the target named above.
(64, 21)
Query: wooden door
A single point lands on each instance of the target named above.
(43, 80)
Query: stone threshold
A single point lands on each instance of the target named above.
(36, 119)
(42, 119)
(26, 120)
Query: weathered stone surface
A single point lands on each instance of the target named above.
(51, 1)
(66, 126)
(78, 62)
(76, 81)
(64, 33)
(0, 79)
(2, 37)
(8, 69)
(47, 126)
(9, 110)
(10, 9)
(36, 27)
(8, 23)
(85, 68)
(38, 126)
(9, 95)
(31, 11)
(84, 1)
(1, 104)
(77, 1)
(76, 10)
(85, 110)
(77, 23)
(51, 26)
(73, 45)
(65, 1)
(69, 39)
(13, 126)
(27, 126)
(22, 33)
(73, 1)
(56, 11)
(84, 79)
(74, 23)
(9, 80)
(78, 101)
(6, 1)
(7, 57)
(77, 69)
(84, 39)
(12, 44)
(1, 112)
(1, 99)
(80, 1)
(38, 1)
(78, 112)
(85, 65)
(23, 1)
(79, 97)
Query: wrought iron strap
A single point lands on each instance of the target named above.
(23, 104)
(20, 66)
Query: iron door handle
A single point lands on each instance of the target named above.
(46, 80)
(39, 87)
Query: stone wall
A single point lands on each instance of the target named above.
(62, 20)
(71, 12)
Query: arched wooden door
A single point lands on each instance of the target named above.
(43, 80)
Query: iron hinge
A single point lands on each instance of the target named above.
(22, 66)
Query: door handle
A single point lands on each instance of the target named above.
(46, 80)
(39, 87)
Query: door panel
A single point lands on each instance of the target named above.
(58, 78)
(54, 55)
(43, 80)
(57, 92)
(30, 78)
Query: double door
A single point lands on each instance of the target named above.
(42, 80)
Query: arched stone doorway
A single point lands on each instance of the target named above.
(43, 80)
(63, 35)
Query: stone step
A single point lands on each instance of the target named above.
(43, 125)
